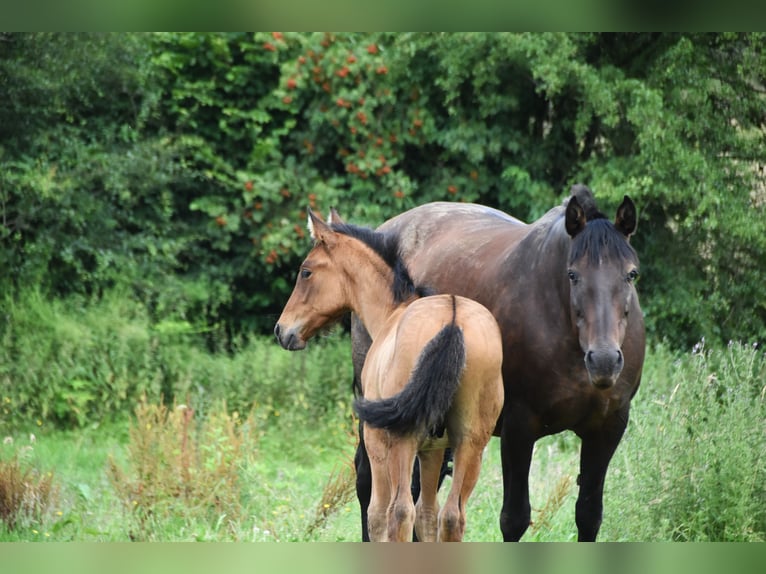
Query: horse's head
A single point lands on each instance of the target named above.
(602, 268)
(318, 298)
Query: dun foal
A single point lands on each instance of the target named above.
(431, 379)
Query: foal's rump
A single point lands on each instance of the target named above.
(432, 363)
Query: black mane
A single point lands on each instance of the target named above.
(601, 240)
(387, 247)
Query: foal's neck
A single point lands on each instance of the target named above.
(371, 291)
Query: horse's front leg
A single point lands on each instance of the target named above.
(597, 449)
(363, 482)
(516, 446)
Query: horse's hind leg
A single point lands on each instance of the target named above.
(427, 506)
(377, 445)
(401, 512)
(465, 474)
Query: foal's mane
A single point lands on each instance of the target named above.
(386, 246)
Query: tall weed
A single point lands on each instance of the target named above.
(183, 468)
(692, 466)
(26, 493)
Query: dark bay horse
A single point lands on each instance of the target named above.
(562, 291)
(432, 376)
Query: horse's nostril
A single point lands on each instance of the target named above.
(276, 330)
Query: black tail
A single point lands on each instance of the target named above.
(423, 403)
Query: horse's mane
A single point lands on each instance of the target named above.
(387, 247)
(601, 240)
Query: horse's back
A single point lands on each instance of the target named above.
(395, 352)
(435, 239)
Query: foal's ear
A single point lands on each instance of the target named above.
(319, 231)
(626, 220)
(575, 217)
(335, 217)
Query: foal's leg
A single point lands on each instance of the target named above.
(427, 507)
(465, 474)
(401, 512)
(376, 443)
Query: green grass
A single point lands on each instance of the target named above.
(689, 468)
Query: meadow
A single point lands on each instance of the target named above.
(257, 444)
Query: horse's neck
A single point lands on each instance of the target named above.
(372, 295)
(544, 251)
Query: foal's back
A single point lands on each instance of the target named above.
(395, 351)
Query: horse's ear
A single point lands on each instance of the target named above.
(626, 220)
(335, 217)
(319, 231)
(575, 217)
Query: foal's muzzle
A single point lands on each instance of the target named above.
(604, 366)
(288, 338)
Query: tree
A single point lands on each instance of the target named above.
(182, 164)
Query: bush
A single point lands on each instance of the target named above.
(71, 363)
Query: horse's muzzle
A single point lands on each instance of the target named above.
(604, 366)
(288, 339)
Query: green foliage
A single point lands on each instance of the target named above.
(179, 166)
(69, 364)
(692, 464)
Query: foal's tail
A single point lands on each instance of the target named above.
(423, 403)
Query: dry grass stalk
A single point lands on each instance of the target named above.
(338, 491)
(26, 495)
(552, 504)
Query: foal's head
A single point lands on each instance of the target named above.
(602, 267)
(343, 258)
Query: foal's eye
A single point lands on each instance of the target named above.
(572, 276)
(632, 276)
(305, 273)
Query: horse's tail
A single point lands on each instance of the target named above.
(423, 403)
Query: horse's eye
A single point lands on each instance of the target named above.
(633, 275)
(305, 273)
(572, 276)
